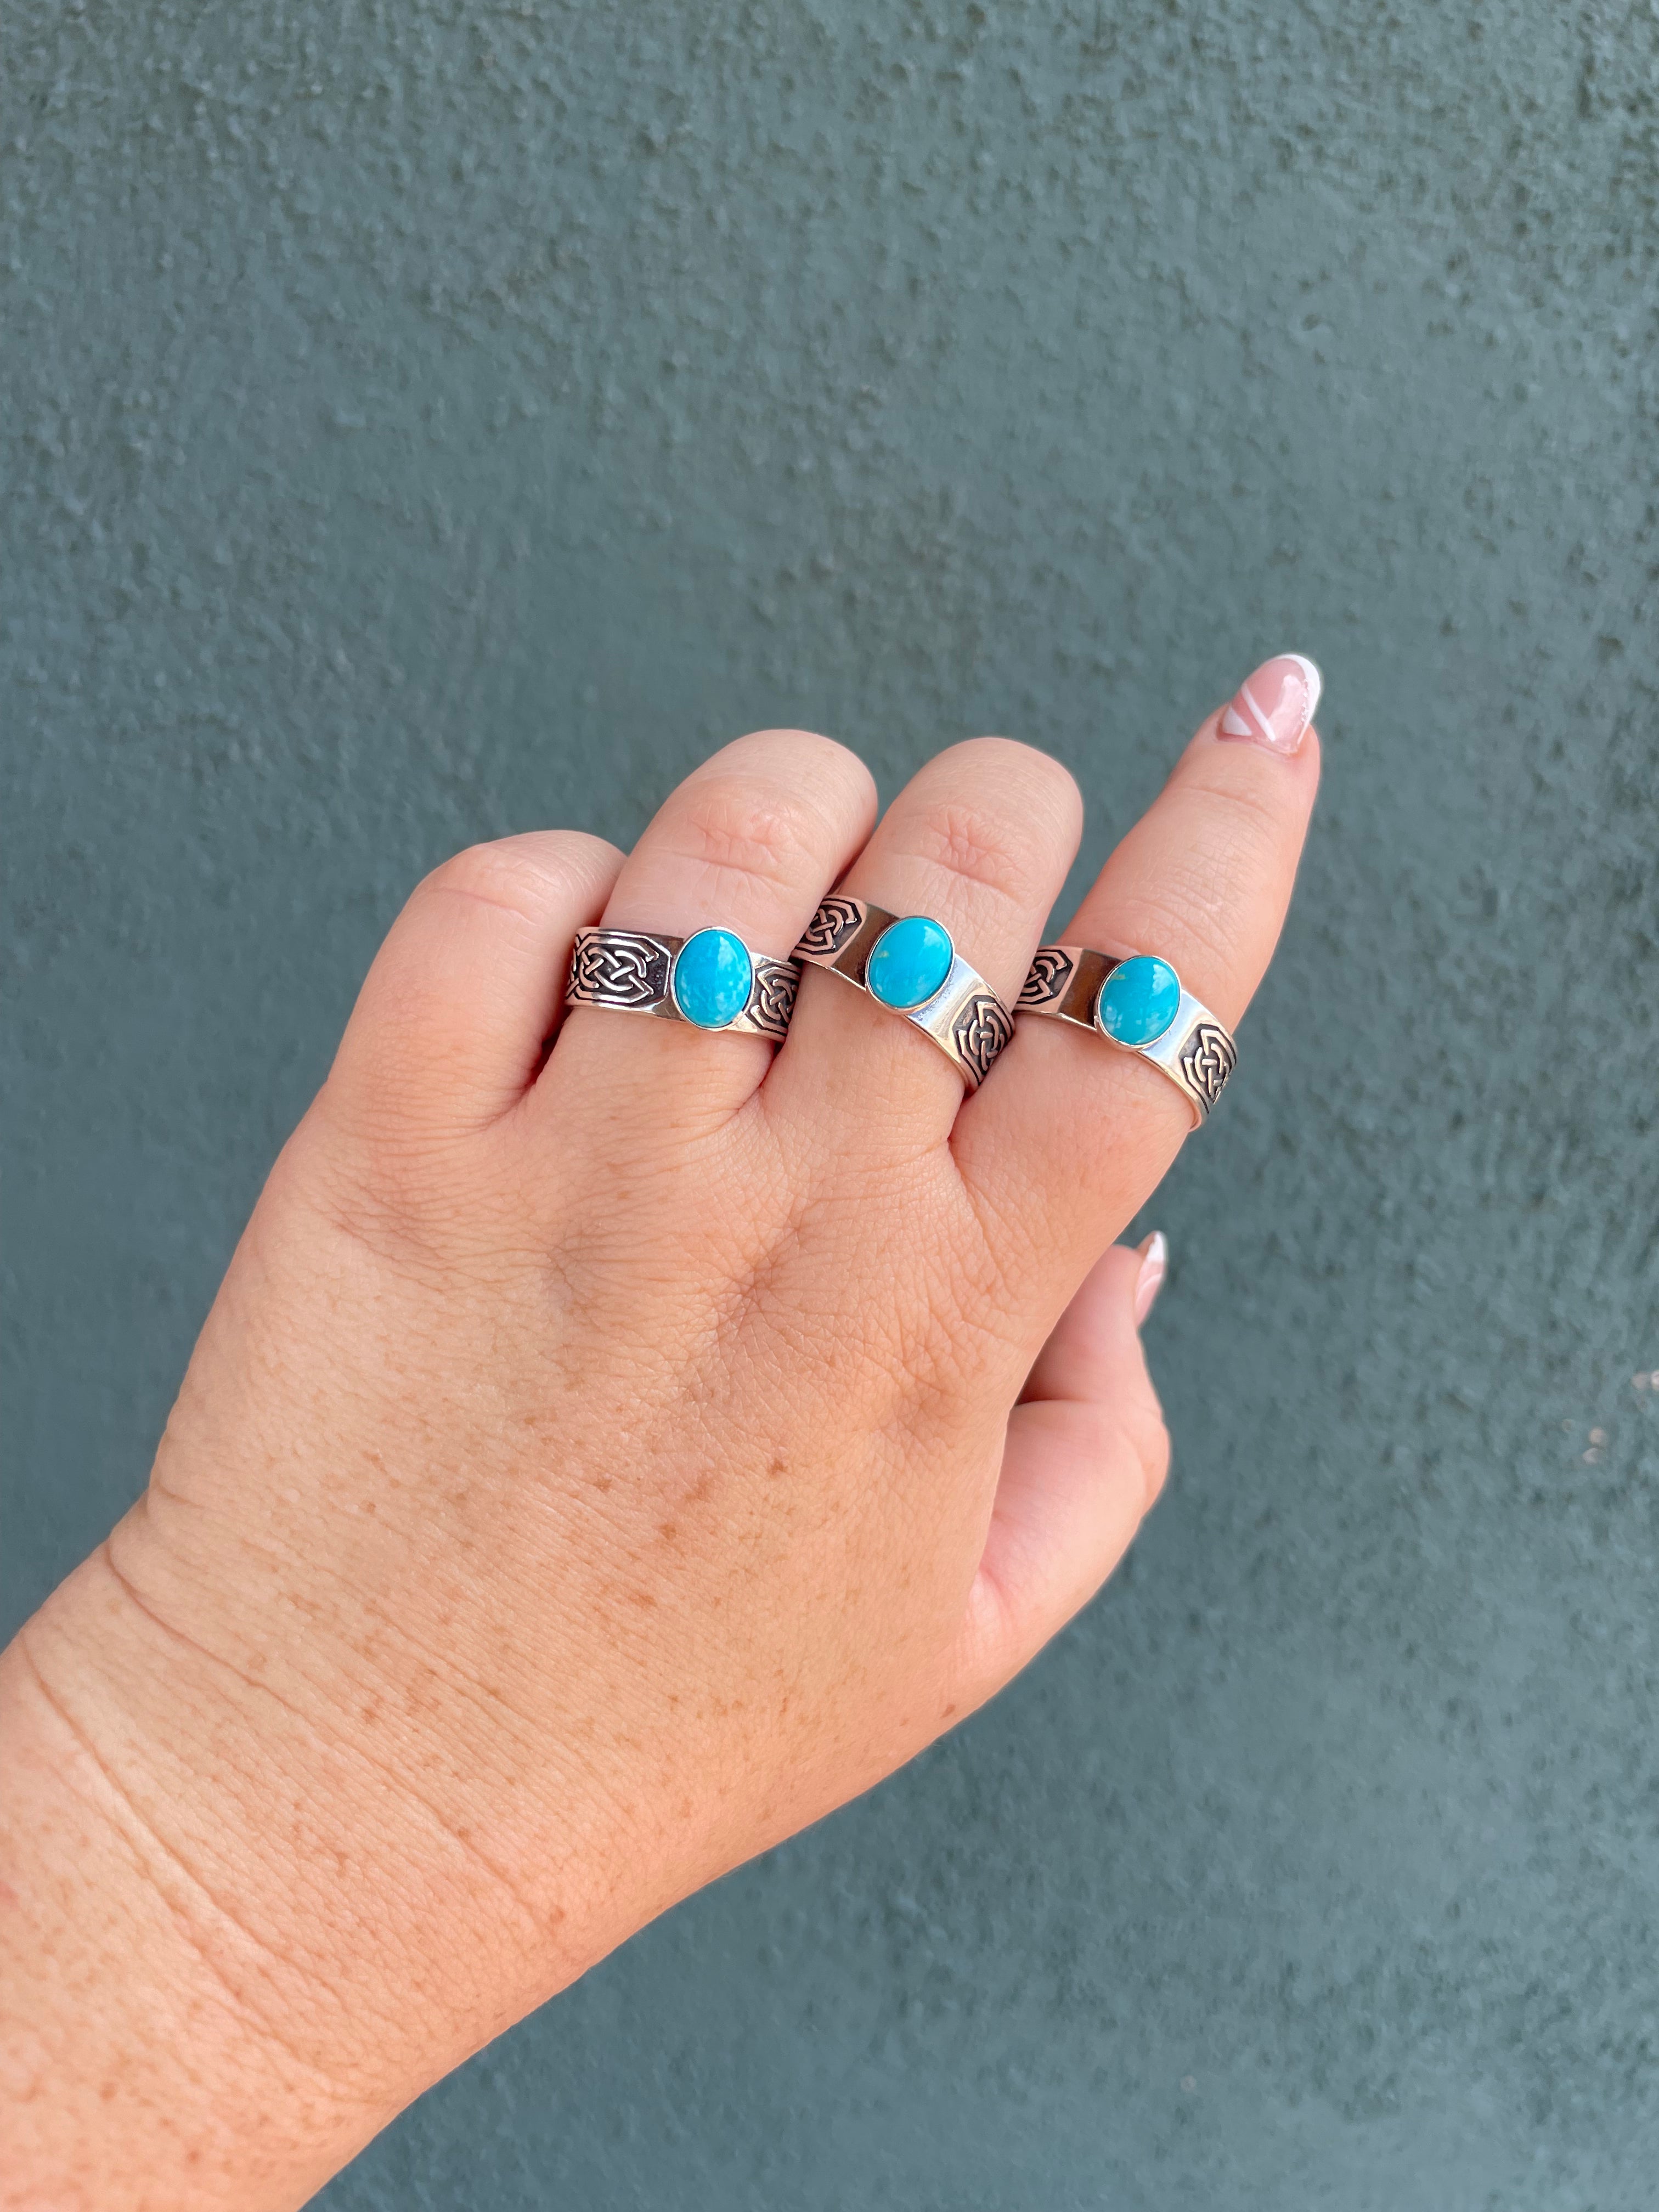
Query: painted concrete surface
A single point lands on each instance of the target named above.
(425, 420)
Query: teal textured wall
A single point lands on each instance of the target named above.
(424, 420)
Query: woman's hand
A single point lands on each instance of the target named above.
(597, 1465)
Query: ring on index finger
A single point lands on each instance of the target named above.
(1140, 1005)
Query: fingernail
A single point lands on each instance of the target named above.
(1154, 1260)
(1274, 707)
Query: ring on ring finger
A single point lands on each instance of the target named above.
(710, 979)
(1140, 1005)
(909, 964)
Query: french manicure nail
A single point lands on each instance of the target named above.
(1154, 1261)
(1274, 707)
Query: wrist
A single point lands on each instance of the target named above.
(206, 2000)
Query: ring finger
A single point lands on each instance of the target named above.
(745, 847)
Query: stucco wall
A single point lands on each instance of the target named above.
(422, 420)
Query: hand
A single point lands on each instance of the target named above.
(599, 1463)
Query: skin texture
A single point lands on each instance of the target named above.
(601, 1459)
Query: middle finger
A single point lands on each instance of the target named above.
(980, 839)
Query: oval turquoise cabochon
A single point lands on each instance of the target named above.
(712, 977)
(909, 961)
(1138, 1000)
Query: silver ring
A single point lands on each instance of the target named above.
(1150, 1013)
(710, 979)
(955, 1006)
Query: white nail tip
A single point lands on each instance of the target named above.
(1234, 724)
(1311, 678)
(1154, 1261)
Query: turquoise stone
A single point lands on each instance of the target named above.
(909, 962)
(1138, 1000)
(712, 977)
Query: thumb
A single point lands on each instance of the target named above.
(1086, 1458)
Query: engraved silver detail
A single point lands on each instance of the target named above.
(1051, 970)
(616, 967)
(981, 1029)
(836, 920)
(1207, 1059)
(772, 1001)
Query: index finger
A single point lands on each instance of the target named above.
(1069, 1136)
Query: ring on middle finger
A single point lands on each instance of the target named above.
(909, 963)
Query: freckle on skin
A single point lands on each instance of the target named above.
(640, 1597)
(668, 1531)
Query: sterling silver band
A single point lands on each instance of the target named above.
(964, 1017)
(630, 971)
(1196, 1051)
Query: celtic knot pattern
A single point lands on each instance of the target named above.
(836, 920)
(616, 967)
(1050, 972)
(772, 999)
(1207, 1059)
(981, 1030)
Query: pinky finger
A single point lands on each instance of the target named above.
(1086, 1456)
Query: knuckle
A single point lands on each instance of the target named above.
(1189, 915)
(979, 846)
(747, 836)
(522, 875)
(1261, 810)
(997, 827)
(1232, 853)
